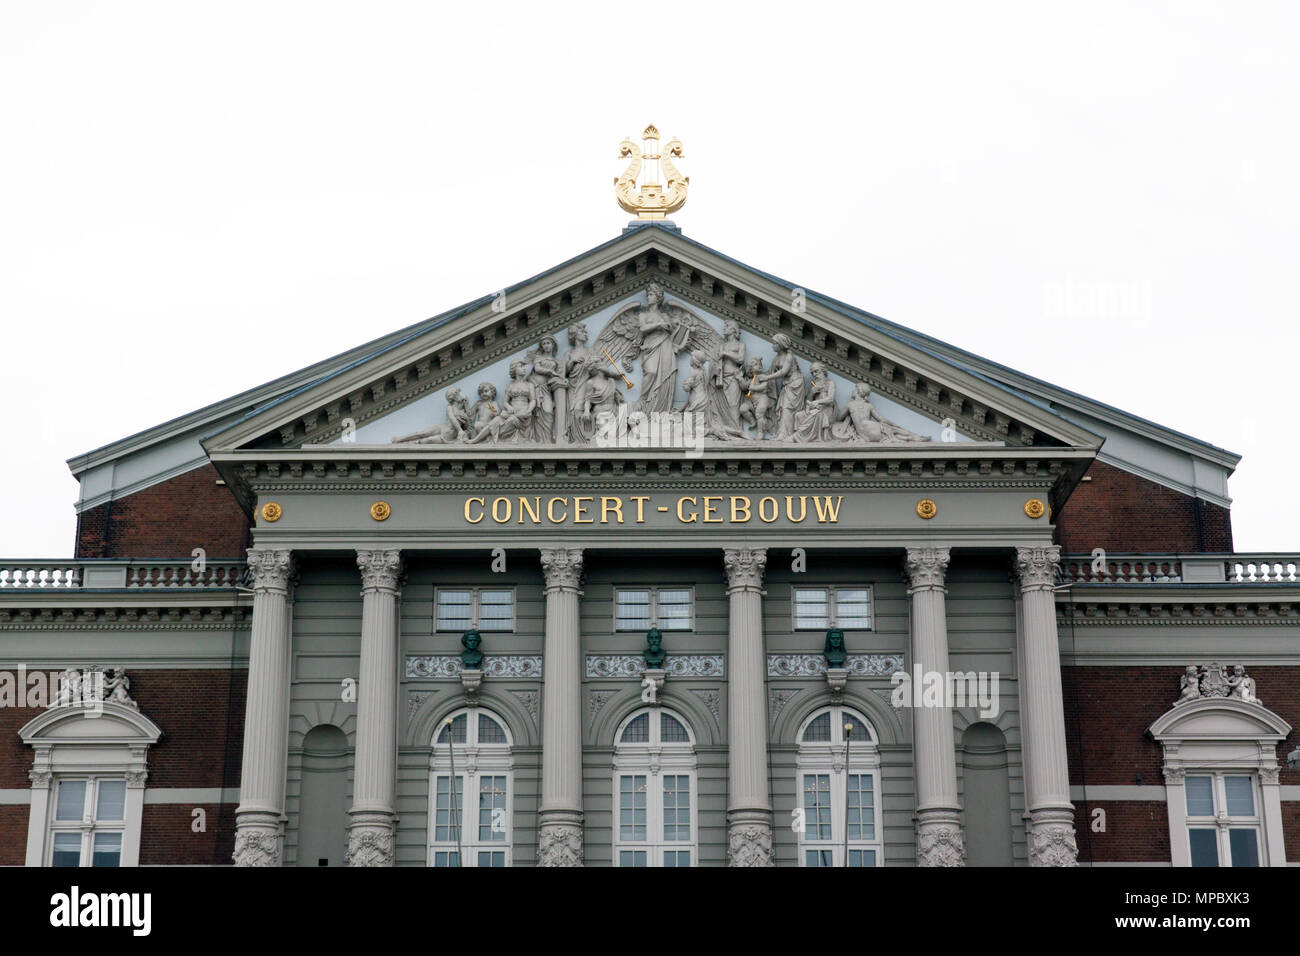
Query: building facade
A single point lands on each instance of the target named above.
(652, 560)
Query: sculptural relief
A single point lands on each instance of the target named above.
(555, 399)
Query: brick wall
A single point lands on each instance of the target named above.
(167, 835)
(167, 520)
(1137, 831)
(1122, 512)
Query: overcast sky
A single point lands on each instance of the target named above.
(196, 199)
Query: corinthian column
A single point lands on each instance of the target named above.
(559, 837)
(1042, 719)
(372, 819)
(749, 806)
(939, 838)
(259, 840)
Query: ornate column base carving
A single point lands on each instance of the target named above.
(1051, 838)
(749, 839)
(370, 839)
(559, 840)
(259, 841)
(939, 839)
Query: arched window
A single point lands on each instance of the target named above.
(831, 799)
(654, 791)
(471, 756)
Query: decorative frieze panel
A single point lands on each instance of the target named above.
(1214, 680)
(449, 666)
(1147, 613)
(814, 665)
(630, 666)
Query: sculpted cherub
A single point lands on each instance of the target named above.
(456, 428)
(759, 398)
(516, 420)
(484, 410)
(1189, 685)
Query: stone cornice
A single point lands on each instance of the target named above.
(1136, 612)
(158, 616)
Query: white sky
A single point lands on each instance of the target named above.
(195, 200)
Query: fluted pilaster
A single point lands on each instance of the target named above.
(749, 804)
(559, 839)
(372, 819)
(259, 837)
(1047, 778)
(939, 837)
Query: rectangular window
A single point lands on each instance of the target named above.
(631, 807)
(677, 807)
(820, 608)
(639, 609)
(655, 826)
(483, 609)
(817, 805)
(830, 800)
(480, 833)
(88, 822)
(1224, 825)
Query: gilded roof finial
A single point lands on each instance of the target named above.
(651, 200)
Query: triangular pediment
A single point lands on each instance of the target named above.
(402, 388)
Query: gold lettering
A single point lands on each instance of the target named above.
(496, 503)
(739, 506)
(711, 509)
(640, 507)
(803, 508)
(763, 504)
(833, 511)
(470, 501)
(681, 517)
(550, 510)
(607, 505)
(579, 510)
(534, 510)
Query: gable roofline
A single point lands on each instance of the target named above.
(1026, 388)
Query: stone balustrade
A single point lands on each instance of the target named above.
(177, 574)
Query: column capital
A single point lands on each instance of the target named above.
(272, 569)
(926, 568)
(380, 570)
(745, 567)
(562, 568)
(1036, 567)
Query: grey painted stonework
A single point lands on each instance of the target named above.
(633, 665)
(814, 665)
(449, 667)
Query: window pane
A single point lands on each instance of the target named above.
(108, 849)
(675, 610)
(72, 800)
(446, 858)
(817, 806)
(852, 609)
(67, 849)
(631, 858)
(445, 828)
(638, 731)
(1241, 797)
(819, 731)
(111, 800)
(818, 858)
(492, 858)
(671, 730)
(632, 807)
(860, 732)
(861, 808)
(810, 608)
(495, 610)
(1205, 847)
(1200, 796)
(677, 858)
(632, 610)
(458, 725)
(492, 808)
(862, 857)
(677, 807)
(453, 610)
(489, 731)
(1244, 844)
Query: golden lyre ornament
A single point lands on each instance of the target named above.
(651, 201)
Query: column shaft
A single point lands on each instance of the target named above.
(259, 838)
(559, 839)
(939, 837)
(372, 819)
(749, 804)
(1042, 719)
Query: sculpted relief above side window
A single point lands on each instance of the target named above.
(693, 383)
